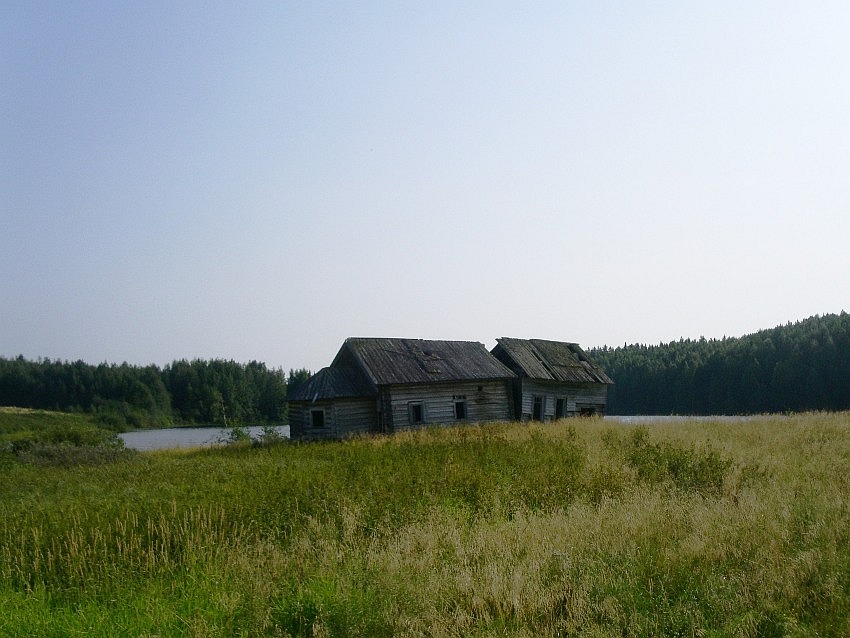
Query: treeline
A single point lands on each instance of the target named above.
(795, 367)
(198, 391)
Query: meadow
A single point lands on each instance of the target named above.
(583, 527)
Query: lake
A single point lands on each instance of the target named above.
(186, 437)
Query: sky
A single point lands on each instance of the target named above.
(261, 180)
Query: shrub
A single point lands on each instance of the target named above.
(269, 435)
(59, 439)
(238, 435)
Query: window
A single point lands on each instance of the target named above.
(460, 409)
(317, 417)
(415, 412)
(537, 413)
(560, 408)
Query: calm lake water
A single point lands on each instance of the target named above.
(185, 437)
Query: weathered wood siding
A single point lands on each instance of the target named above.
(355, 416)
(485, 401)
(576, 397)
(591, 396)
(343, 417)
(385, 416)
(299, 417)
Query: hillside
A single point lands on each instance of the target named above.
(795, 367)
(44, 438)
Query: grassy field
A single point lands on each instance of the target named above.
(578, 528)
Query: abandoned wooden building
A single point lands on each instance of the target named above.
(387, 385)
(554, 379)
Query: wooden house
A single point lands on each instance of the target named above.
(554, 379)
(333, 403)
(388, 385)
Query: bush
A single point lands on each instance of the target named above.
(269, 435)
(237, 435)
(57, 439)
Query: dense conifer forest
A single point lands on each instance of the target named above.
(198, 391)
(795, 367)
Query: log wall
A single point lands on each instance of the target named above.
(485, 401)
(577, 397)
(343, 417)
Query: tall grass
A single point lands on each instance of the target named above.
(581, 527)
(44, 438)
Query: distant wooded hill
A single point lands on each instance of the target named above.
(795, 367)
(198, 391)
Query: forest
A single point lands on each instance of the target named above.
(792, 368)
(120, 396)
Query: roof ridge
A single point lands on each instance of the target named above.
(543, 360)
(359, 360)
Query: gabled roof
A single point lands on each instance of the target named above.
(549, 360)
(333, 383)
(399, 361)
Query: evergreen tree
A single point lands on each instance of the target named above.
(800, 366)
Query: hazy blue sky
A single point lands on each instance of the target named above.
(260, 180)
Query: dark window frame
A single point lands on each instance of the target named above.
(538, 407)
(415, 412)
(461, 410)
(560, 407)
(322, 421)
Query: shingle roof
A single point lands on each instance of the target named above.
(549, 360)
(333, 383)
(391, 361)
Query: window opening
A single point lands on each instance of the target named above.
(560, 408)
(415, 412)
(460, 410)
(317, 418)
(537, 413)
